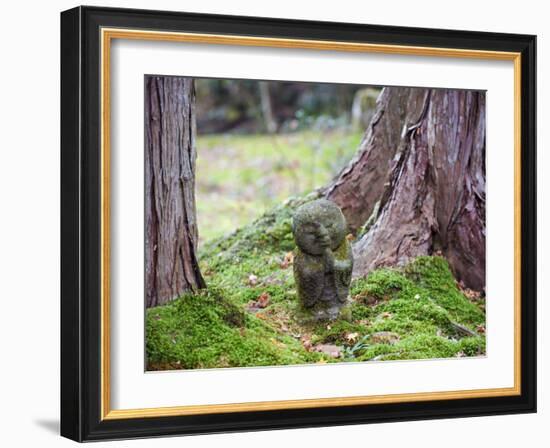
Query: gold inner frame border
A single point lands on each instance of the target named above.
(107, 35)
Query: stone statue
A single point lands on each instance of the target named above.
(323, 260)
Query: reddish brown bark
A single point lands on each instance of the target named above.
(360, 185)
(171, 235)
(432, 197)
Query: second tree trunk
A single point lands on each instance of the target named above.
(428, 182)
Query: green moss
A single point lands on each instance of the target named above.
(270, 233)
(423, 346)
(434, 275)
(383, 284)
(423, 305)
(336, 332)
(256, 250)
(206, 330)
(219, 327)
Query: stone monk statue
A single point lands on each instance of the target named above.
(323, 260)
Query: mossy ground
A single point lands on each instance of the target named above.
(249, 314)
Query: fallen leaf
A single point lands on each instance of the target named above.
(328, 349)
(306, 342)
(365, 298)
(471, 294)
(352, 337)
(480, 329)
(263, 300)
(288, 260)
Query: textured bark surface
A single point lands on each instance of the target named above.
(171, 236)
(434, 199)
(361, 183)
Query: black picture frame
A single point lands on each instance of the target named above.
(81, 224)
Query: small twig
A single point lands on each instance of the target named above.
(462, 329)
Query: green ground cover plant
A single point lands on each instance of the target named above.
(249, 314)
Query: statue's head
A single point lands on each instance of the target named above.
(318, 225)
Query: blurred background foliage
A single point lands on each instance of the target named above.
(260, 142)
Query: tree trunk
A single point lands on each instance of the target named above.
(432, 197)
(267, 108)
(359, 186)
(171, 236)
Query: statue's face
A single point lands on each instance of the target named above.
(318, 225)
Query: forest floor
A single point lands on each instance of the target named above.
(239, 177)
(249, 314)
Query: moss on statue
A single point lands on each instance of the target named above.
(323, 260)
(249, 314)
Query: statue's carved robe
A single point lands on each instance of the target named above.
(321, 279)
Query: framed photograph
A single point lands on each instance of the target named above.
(277, 224)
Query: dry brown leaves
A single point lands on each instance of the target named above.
(260, 303)
(471, 295)
(352, 337)
(367, 299)
(328, 349)
(288, 260)
(306, 342)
